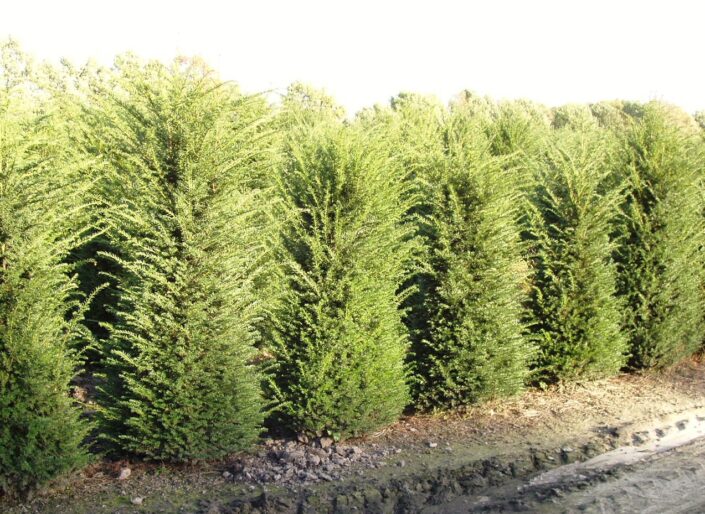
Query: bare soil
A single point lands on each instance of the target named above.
(486, 458)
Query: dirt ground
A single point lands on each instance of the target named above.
(482, 458)
(661, 470)
(671, 483)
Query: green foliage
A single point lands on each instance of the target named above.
(41, 434)
(339, 341)
(414, 125)
(183, 157)
(475, 346)
(574, 117)
(573, 213)
(363, 264)
(660, 258)
(304, 104)
(71, 89)
(517, 130)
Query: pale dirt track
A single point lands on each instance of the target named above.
(668, 483)
(673, 483)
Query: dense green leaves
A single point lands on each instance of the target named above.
(245, 259)
(40, 430)
(660, 256)
(573, 212)
(183, 156)
(339, 341)
(466, 314)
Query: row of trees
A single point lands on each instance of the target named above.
(215, 264)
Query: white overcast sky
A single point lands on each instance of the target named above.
(366, 51)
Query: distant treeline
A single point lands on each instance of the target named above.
(207, 265)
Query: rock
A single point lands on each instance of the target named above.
(137, 500)
(227, 475)
(354, 457)
(337, 459)
(306, 476)
(639, 438)
(340, 451)
(124, 474)
(314, 460)
(302, 438)
(325, 442)
(293, 456)
(432, 445)
(319, 452)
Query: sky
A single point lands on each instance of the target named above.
(364, 52)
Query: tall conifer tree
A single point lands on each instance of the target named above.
(339, 340)
(660, 258)
(476, 346)
(41, 433)
(574, 211)
(183, 159)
